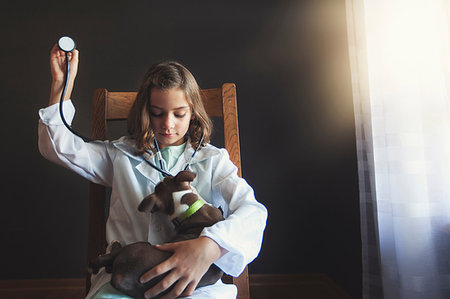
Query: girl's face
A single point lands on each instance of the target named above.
(170, 115)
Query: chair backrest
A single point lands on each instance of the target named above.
(109, 106)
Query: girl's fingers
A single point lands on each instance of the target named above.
(156, 271)
(177, 289)
(163, 285)
(167, 247)
(73, 56)
(190, 289)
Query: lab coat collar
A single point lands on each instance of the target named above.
(202, 154)
(127, 146)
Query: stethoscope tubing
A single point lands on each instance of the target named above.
(61, 101)
(158, 153)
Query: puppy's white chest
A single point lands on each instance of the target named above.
(179, 208)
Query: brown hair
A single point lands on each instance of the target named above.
(167, 75)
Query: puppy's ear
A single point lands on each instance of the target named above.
(148, 204)
(185, 176)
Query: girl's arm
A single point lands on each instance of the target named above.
(91, 160)
(59, 145)
(241, 233)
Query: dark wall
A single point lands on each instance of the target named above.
(289, 60)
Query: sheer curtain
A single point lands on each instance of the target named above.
(399, 56)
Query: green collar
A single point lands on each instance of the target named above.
(189, 212)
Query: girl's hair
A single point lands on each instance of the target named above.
(167, 75)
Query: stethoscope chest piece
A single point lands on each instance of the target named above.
(66, 44)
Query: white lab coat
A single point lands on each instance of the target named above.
(113, 163)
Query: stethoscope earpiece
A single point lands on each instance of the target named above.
(66, 44)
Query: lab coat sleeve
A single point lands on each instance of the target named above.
(91, 160)
(241, 233)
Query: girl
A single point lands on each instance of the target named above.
(168, 113)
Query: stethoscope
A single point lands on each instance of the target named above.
(67, 45)
(160, 158)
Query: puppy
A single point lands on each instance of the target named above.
(187, 211)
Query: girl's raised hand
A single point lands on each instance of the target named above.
(58, 71)
(189, 262)
(58, 63)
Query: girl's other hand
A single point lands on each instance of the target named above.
(189, 262)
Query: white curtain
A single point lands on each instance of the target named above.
(399, 58)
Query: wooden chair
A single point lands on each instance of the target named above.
(110, 106)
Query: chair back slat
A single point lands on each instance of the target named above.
(119, 105)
